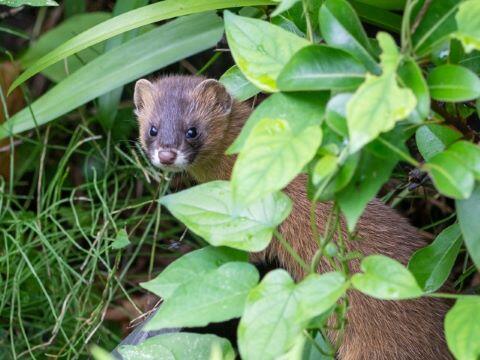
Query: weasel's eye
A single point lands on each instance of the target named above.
(191, 133)
(153, 131)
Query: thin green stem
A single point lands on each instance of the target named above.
(291, 250)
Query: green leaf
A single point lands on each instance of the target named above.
(377, 16)
(74, 7)
(260, 49)
(468, 23)
(320, 67)
(277, 311)
(121, 241)
(57, 36)
(191, 267)
(385, 278)
(468, 154)
(341, 28)
(436, 25)
(178, 345)
(127, 62)
(336, 113)
(216, 296)
(324, 169)
(238, 85)
(411, 76)
(453, 83)
(208, 211)
(283, 6)
(449, 176)
(300, 110)
(274, 153)
(100, 354)
(462, 328)
(467, 213)
(16, 3)
(433, 138)
(371, 173)
(385, 4)
(432, 264)
(131, 20)
(379, 102)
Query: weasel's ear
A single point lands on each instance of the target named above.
(143, 95)
(213, 91)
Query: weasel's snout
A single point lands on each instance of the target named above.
(167, 157)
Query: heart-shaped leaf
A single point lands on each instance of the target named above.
(277, 311)
(432, 264)
(273, 155)
(191, 267)
(260, 49)
(320, 67)
(208, 211)
(178, 345)
(385, 278)
(215, 296)
(462, 328)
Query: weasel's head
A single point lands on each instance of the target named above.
(182, 120)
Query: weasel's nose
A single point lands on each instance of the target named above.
(167, 157)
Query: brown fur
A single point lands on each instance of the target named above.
(376, 329)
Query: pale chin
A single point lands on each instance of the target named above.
(180, 164)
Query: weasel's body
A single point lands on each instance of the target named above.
(179, 106)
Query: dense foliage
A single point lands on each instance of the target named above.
(363, 93)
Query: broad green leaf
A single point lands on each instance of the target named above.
(191, 267)
(299, 109)
(436, 25)
(336, 113)
(145, 15)
(468, 154)
(340, 27)
(238, 85)
(468, 23)
(322, 350)
(433, 138)
(273, 155)
(411, 76)
(371, 173)
(379, 102)
(320, 67)
(100, 354)
(385, 4)
(178, 345)
(215, 296)
(450, 177)
(377, 16)
(462, 328)
(385, 278)
(108, 103)
(432, 264)
(277, 311)
(121, 241)
(375, 108)
(74, 7)
(127, 62)
(16, 3)
(208, 211)
(57, 36)
(453, 83)
(467, 213)
(260, 49)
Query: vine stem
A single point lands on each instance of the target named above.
(291, 251)
(402, 154)
(308, 20)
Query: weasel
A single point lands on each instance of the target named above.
(187, 122)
